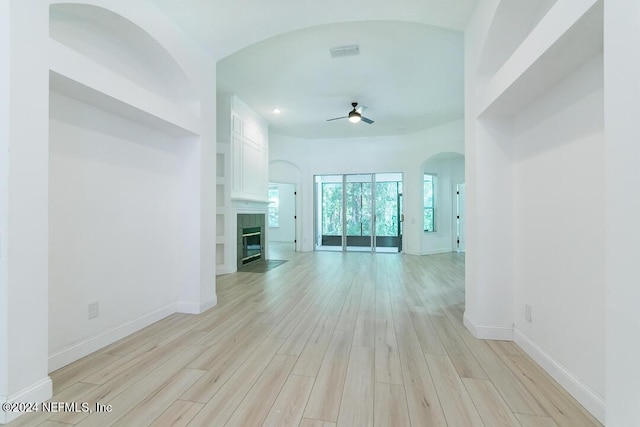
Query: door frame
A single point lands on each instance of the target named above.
(317, 191)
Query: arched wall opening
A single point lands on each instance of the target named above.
(443, 173)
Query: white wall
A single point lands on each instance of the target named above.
(119, 221)
(400, 153)
(622, 179)
(23, 205)
(488, 174)
(559, 225)
(5, 90)
(286, 230)
(535, 195)
(450, 172)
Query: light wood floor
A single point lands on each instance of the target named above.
(325, 339)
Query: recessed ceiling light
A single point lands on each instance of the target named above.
(276, 111)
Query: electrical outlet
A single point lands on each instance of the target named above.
(94, 310)
(527, 313)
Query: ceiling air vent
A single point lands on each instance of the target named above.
(340, 51)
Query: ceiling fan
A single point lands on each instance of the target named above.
(354, 115)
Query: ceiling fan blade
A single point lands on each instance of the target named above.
(337, 118)
(367, 121)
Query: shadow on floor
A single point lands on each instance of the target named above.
(261, 266)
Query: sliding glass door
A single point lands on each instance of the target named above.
(388, 212)
(329, 215)
(359, 212)
(358, 204)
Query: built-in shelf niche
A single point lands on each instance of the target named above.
(547, 55)
(78, 77)
(220, 199)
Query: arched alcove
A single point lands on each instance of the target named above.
(123, 47)
(125, 153)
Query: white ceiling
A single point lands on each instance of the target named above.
(276, 54)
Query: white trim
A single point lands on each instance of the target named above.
(91, 344)
(195, 308)
(443, 250)
(588, 398)
(431, 252)
(40, 391)
(224, 269)
(488, 332)
(188, 307)
(209, 304)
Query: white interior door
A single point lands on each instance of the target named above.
(282, 219)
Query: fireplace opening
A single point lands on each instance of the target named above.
(251, 238)
(251, 244)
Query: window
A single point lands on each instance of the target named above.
(429, 202)
(274, 205)
(331, 208)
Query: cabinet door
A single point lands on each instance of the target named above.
(237, 156)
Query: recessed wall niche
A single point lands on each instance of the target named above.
(119, 45)
(124, 130)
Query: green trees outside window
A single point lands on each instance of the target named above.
(331, 209)
(429, 202)
(274, 205)
(358, 208)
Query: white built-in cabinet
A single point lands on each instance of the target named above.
(242, 172)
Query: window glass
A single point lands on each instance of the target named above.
(429, 202)
(274, 205)
(331, 209)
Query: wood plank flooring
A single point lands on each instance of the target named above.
(326, 339)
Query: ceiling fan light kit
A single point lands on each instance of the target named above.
(354, 115)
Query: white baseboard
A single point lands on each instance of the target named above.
(430, 252)
(592, 402)
(37, 392)
(488, 332)
(195, 308)
(95, 343)
(209, 304)
(438, 251)
(224, 269)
